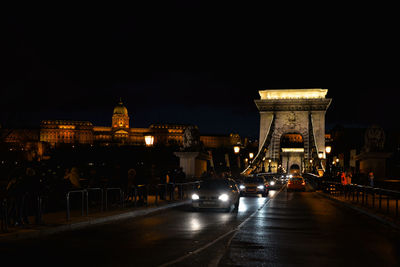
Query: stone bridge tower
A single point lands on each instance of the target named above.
(290, 111)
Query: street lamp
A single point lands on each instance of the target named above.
(328, 149)
(149, 140)
(236, 149)
(251, 155)
(269, 165)
(320, 154)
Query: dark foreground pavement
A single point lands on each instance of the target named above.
(305, 229)
(144, 241)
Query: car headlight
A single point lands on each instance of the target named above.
(242, 187)
(195, 197)
(272, 183)
(260, 187)
(223, 197)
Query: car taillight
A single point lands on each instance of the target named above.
(303, 183)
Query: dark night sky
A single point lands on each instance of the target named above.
(189, 64)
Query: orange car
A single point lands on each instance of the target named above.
(296, 183)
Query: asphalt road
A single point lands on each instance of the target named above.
(293, 229)
(144, 241)
(306, 229)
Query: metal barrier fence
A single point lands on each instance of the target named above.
(83, 193)
(139, 194)
(382, 200)
(101, 197)
(121, 195)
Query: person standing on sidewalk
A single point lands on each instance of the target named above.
(131, 183)
(343, 178)
(348, 178)
(371, 179)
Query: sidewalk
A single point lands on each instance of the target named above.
(57, 222)
(386, 213)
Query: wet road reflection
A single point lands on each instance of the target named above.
(170, 234)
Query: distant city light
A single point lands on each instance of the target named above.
(149, 140)
(328, 149)
(251, 155)
(236, 149)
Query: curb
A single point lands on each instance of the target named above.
(91, 221)
(377, 217)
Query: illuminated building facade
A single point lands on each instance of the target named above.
(55, 132)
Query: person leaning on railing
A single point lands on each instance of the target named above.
(72, 177)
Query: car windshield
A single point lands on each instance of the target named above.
(296, 179)
(256, 180)
(214, 184)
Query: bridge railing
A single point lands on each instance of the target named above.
(379, 200)
(102, 198)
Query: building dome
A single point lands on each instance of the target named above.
(120, 109)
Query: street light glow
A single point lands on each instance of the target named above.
(236, 149)
(328, 149)
(251, 155)
(149, 140)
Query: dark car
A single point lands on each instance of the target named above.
(254, 185)
(219, 193)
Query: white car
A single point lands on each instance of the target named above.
(219, 193)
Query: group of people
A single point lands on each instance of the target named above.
(23, 190)
(347, 177)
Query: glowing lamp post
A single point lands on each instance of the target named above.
(251, 155)
(149, 140)
(269, 165)
(236, 149)
(328, 150)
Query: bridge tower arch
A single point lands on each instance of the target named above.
(285, 111)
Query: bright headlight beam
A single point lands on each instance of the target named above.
(223, 197)
(272, 183)
(242, 187)
(195, 197)
(260, 187)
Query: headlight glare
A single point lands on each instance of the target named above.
(272, 183)
(260, 187)
(242, 187)
(223, 197)
(195, 197)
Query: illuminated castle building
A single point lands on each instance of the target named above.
(83, 132)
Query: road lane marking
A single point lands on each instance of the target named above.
(224, 235)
